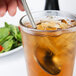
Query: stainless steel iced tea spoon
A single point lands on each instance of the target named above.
(26, 8)
(44, 58)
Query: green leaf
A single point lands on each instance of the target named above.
(4, 32)
(15, 44)
(13, 29)
(7, 45)
(6, 39)
(19, 38)
(6, 24)
(17, 29)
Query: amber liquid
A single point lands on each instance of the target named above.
(49, 55)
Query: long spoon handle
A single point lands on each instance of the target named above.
(26, 8)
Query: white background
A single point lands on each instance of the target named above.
(68, 5)
(14, 64)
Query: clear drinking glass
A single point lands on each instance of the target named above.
(49, 52)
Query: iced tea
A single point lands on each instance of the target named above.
(50, 48)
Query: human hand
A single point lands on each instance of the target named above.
(10, 6)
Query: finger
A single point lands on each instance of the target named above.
(3, 8)
(7, 1)
(12, 7)
(20, 6)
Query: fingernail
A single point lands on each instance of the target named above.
(12, 12)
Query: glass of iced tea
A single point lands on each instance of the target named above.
(50, 48)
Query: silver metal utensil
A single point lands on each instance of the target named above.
(26, 8)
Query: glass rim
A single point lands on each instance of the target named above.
(36, 30)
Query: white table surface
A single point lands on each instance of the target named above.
(13, 65)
